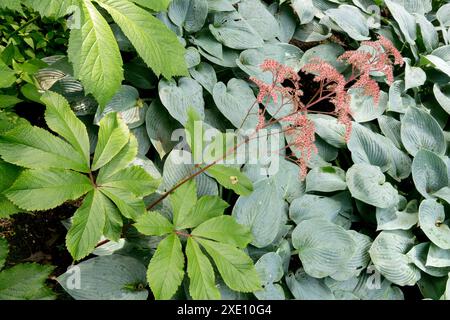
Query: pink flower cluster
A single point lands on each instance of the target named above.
(333, 88)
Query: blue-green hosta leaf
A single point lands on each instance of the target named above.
(402, 216)
(224, 229)
(287, 180)
(270, 268)
(88, 224)
(176, 170)
(438, 257)
(421, 131)
(351, 20)
(263, 211)
(236, 101)
(390, 127)
(287, 21)
(359, 260)
(416, 6)
(177, 98)
(259, 18)
(429, 34)
(388, 253)
(26, 281)
(330, 130)
(328, 52)
(127, 104)
(443, 15)
(323, 247)
(140, 133)
(414, 76)
(111, 277)
(305, 287)
(312, 31)
(272, 291)
(188, 14)
(231, 29)
(154, 42)
(32, 147)
(311, 206)
(368, 184)
(166, 269)
(363, 107)
(418, 255)
(214, 51)
(221, 5)
(304, 9)
(429, 173)
(112, 137)
(202, 285)
(399, 101)
(49, 8)
(95, 55)
(235, 267)
(205, 74)
(405, 21)
(46, 189)
(60, 118)
(442, 96)
(431, 221)
(326, 179)
(400, 162)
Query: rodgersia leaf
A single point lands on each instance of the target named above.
(4, 250)
(202, 284)
(46, 189)
(166, 269)
(153, 224)
(231, 178)
(53, 9)
(95, 55)
(154, 42)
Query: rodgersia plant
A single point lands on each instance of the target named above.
(374, 57)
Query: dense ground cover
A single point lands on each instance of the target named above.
(224, 149)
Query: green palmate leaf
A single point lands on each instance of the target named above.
(36, 148)
(112, 137)
(134, 179)
(429, 173)
(113, 223)
(156, 5)
(166, 269)
(224, 229)
(202, 284)
(194, 133)
(7, 76)
(129, 205)
(53, 9)
(231, 178)
(207, 207)
(154, 42)
(182, 200)
(235, 267)
(62, 120)
(25, 282)
(431, 221)
(95, 55)
(88, 224)
(14, 5)
(4, 250)
(46, 189)
(9, 175)
(120, 161)
(153, 224)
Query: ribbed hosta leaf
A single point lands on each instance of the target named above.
(263, 211)
(154, 42)
(305, 287)
(236, 101)
(438, 257)
(402, 216)
(442, 96)
(405, 20)
(388, 253)
(418, 254)
(421, 131)
(363, 107)
(431, 221)
(188, 14)
(87, 224)
(259, 18)
(205, 74)
(323, 247)
(429, 173)
(111, 277)
(391, 127)
(95, 55)
(46, 189)
(311, 206)
(351, 20)
(414, 76)
(326, 179)
(330, 130)
(177, 98)
(368, 184)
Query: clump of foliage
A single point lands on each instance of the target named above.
(356, 91)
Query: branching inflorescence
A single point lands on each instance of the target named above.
(373, 57)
